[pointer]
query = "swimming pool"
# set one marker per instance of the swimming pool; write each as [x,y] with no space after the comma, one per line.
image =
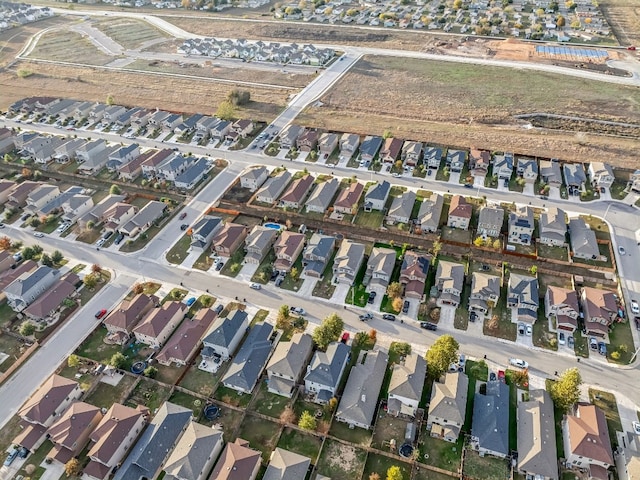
[273,226]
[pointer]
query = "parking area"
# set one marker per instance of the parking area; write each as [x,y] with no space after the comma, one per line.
[377,301]
[414,306]
[447,316]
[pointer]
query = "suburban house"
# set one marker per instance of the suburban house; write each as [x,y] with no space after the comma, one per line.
[25,289]
[156,443]
[347,262]
[430,213]
[380,267]
[449,282]
[348,199]
[70,433]
[401,208]
[112,438]
[349,143]
[188,179]
[24,267]
[634,182]
[527,169]
[286,465]
[121,321]
[391,150]
[75,206]
[521,225]
[601,174]
[325,371]
[537,456]
[583,240]
[203,232]
[585,436]
[562,303]
[144,219]
[317,254]
[413,274]
[258,243]
[195,453]
[455,160]
[7,143]
[122,155]
[117,215]
[254,178]
[220,129]
[229,239]
[42,409]
[159,323]
[490,421]
[93,156]
[289,135]
[320,199]
[553,227]
[174,167]
[460,212]
[574,176]
[96,214]
[376,196]
[479,161]
[243,127]
[18,195]
[369,148]
[327,143]
[237,462]
[288,363]
[150,165]
[485,292]
[359,400]
[184,343]
[45,307]
[40,196]
[432,157]
[287,248]
[246,367]
[296,193]
[6,186]
[411,153]
[522,295]
[551,173]
[600,310]
[273,187]
[448,406]
[405,388]
[307,140]
[627,456]
[224,336]
[503,166]
[490,221]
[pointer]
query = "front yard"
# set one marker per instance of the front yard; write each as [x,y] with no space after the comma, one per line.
[606,402]
[233,266]
[621,347]
[179,251]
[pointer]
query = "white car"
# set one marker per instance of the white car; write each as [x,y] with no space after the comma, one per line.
[529,330]
[100,242]
[636,428]
[255,286]
[38,234]
[634,307]
[518,362]
[63,227]
[299,311]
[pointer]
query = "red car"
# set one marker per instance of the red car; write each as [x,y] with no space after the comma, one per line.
[183,215]
[101,313]
[345,337]
[501,376]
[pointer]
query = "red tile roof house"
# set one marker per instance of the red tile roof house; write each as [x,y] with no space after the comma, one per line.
[186,340]
[600,310]
[155,328]
[112,438]
[563,304]
[347,201]
[288,248]
[229,239]
[307,140]
[479,161]
[43,408]
[294,196]
[121,321]
[459,213]
[391,150]
[47,304]
[70,434]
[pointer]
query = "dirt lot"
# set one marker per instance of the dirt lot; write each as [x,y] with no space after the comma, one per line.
[459,104]
[12,41]
[68,46]
[129,33]
[624,18]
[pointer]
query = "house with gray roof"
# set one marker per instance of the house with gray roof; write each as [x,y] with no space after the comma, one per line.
[253,178]
[449,282]
[156,443]
[122,155]
[521,225]
[67,151]
[407,383]
[583,240]
[430,213]
[553,227]
[369,148]
[247,365]
[490,424]
[380,267]
[46,305]
[551,173]
[490,221]
[188,179]
[273,187]
[172,168]
[360,398]
[348,261]
[317,254]
[237,462]
[322,196]
[289,135]
[456,159]
[40,196]
[411,153]
[349,143]
[25,289]
[327,143]
[145,217]
[601,174]
[288,362]
[203,231]
[448,406]
[223,338]
[537,455]
[485,292]
[527,169]
[522,295]
[574,175]
[503,166]
[325,371]
[401,208]
[286,465]
[195,453]
[432,157]
[376,196]
[258,243]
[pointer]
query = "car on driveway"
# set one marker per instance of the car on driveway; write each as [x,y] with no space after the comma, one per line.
[473,316]
[518,362]
[429,326]
[63,227]
[23,452]
[365,316]
[635,308]
[529,330]
[405,306]
[602,348]
[372,297]
[219,266]
[501,376]
[11,457]
[570,341]
[388,316]
[593,343]
[521,328]
[561,339]
[101,313]
[190,302]
[38,234]
[219,309]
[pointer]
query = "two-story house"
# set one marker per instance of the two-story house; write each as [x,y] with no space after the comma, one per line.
[327,143]
[449,282]
[601,174]
[246,367]
[553,227]
[460,212]
[411,153]
[237,462]
[203,232]
[584,243]
[17,197]
[273,187]
[503,166]
[40,196]
[122,320]
[287,248]
[223,339]
[288,363]
[600,310]
[173,167]
[296,193]
[551,173]
[522,296]
[317,254]
[401,208]
[156,327]
[25,289]
[376,196]
[490,221]
[289,135]
[70,433]
[391,150]
[521,225]
[122,155]
[349,143]
[485,292]
[379,267]
[307,140]
[348,261]
[448,407]
[537,455]
[574,177]
[144,219]
[456,160]
[253,178]
[348,199]
[258,243]
[195,453]
[527,169]
[407,383]
[430,213]
[325,371]
[432,157]
[413,274]
[479,161]
[562,303]
[369,148]
[490,421]
[183,344]
[322,195]
[229,239]
[118,215]
[47,304]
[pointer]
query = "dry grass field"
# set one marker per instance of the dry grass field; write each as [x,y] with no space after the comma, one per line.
[130,33]
[624,18]
[12,40]
[68,46]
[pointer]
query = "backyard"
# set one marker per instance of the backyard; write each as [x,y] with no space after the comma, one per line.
[187,401]
[379,464]
[199,381]
[301,443]
[341,461]
[268,403]
[105,395]
[148,393]
[484,468]
[439,453]
[261,434]
[231,397]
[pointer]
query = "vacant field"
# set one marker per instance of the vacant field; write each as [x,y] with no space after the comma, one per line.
[624,18]
[459,104]
[12,40]
[129,33]
[68,46]
[150,91]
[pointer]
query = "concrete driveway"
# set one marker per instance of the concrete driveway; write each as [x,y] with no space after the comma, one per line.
[414,306]
[478,182]
[340,293]
[454,177]
[377,302]
[247,272]
[554,193]
[529,189]
[447,316]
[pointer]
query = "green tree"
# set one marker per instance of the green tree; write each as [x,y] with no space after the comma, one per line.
[328,331]
[497,244]
[295,273]
[90,224]
[117,360]
[45,259]
[435,250]
[566,390]
[307,421]
[57,256]
[479,242]
[283,320]
[24,73]
[442,353]
[115,190]
[387,134]
[150,372]
[225,111]
[110,99]
[90,281]
[27,328]
[394,290]
[28,253]
[206,301]
[73,361]
[394,473]
[533,270]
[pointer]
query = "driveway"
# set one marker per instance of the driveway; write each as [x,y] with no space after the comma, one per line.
[478,182]
[194,254]
[414,306]
[554,193]
[454,177]
[502,187]
[524,340]
[302,156]
[340,293]
[377,302]
[247,272]
[447,316]
[307,287]
[529,189]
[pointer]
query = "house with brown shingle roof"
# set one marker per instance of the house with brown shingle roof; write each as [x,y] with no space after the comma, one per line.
[6,260]
[47,304]
[133,169]
[187,339]
[70,433]
[19,194]
[348,198]
[237,462]
[585,436]
[117,215]
[600,309]
[11,275]
[6,186]
[563,304]
[413,274]
[121,321]
[479,161]
[296,193]
[288,248]
[391,150]
[460,213]
[227,240]
[155,328]
[112,438]
[307,140]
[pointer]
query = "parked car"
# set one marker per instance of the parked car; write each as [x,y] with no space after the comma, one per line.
[462,360]
[492,376]
[345,337]
[521,328]
[570,341]
[473,316]
[518,362]
[23,452]
[63,227]
[602,348]
[184,226]
[255,286]
[219,266]
[1,225]
[17,256]
[100,242]
[366,316]
[429,326]
[11,457]
[190,302]
[485,268]
[101,313]
[372,297]
[501,376]
[636,427]
[183,215]
[38,234]
[388,316]
[634,307]
[119,239]
[299,311]
[405,306]
[593,343]
[561,339]
[529,330]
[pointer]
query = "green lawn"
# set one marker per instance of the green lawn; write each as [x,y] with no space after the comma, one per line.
[505,329]
[379,464]
[371,219]
[339,461]
[268,403]
[581,344]
[607,403]
[231,397]
[10,346]
[357,436]
[199,381]
[180,250]
[148,393]
[291,283]
[301,443]
[94,347]
[461,319]
[300,406]
[357,294]
[542,337]
[261,434]
[263,273]
[440,454]
[260,316]
[187,401]
[484,468]
[621,341]
[556,253]
[105,395]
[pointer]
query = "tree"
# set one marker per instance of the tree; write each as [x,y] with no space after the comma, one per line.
[46,260]
[73,361]
[117,360]
[435,250]
[5,243]
[394,473]
[110,99]
[307,421]
[238,97]
[24,73]
[396,304]
[295,273]
[225,111]
[533,270]
[27,328]
[90,224]
[394,290]
[34,222]
[90,281]
[497,244]
[560,21]
[137,288]
[442,353]
[333,403]
[479,242]
[28,253]
[150,372]
[566,390]
[206,301]
[115,190]
[288,415]
[57,256]
[374,476]
[373,334]
[283,320]
[73,467]
[328,331]
[387,134]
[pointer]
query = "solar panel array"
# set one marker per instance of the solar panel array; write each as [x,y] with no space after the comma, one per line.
[572,53]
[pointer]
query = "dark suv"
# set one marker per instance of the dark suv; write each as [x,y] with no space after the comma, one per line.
[429,326]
